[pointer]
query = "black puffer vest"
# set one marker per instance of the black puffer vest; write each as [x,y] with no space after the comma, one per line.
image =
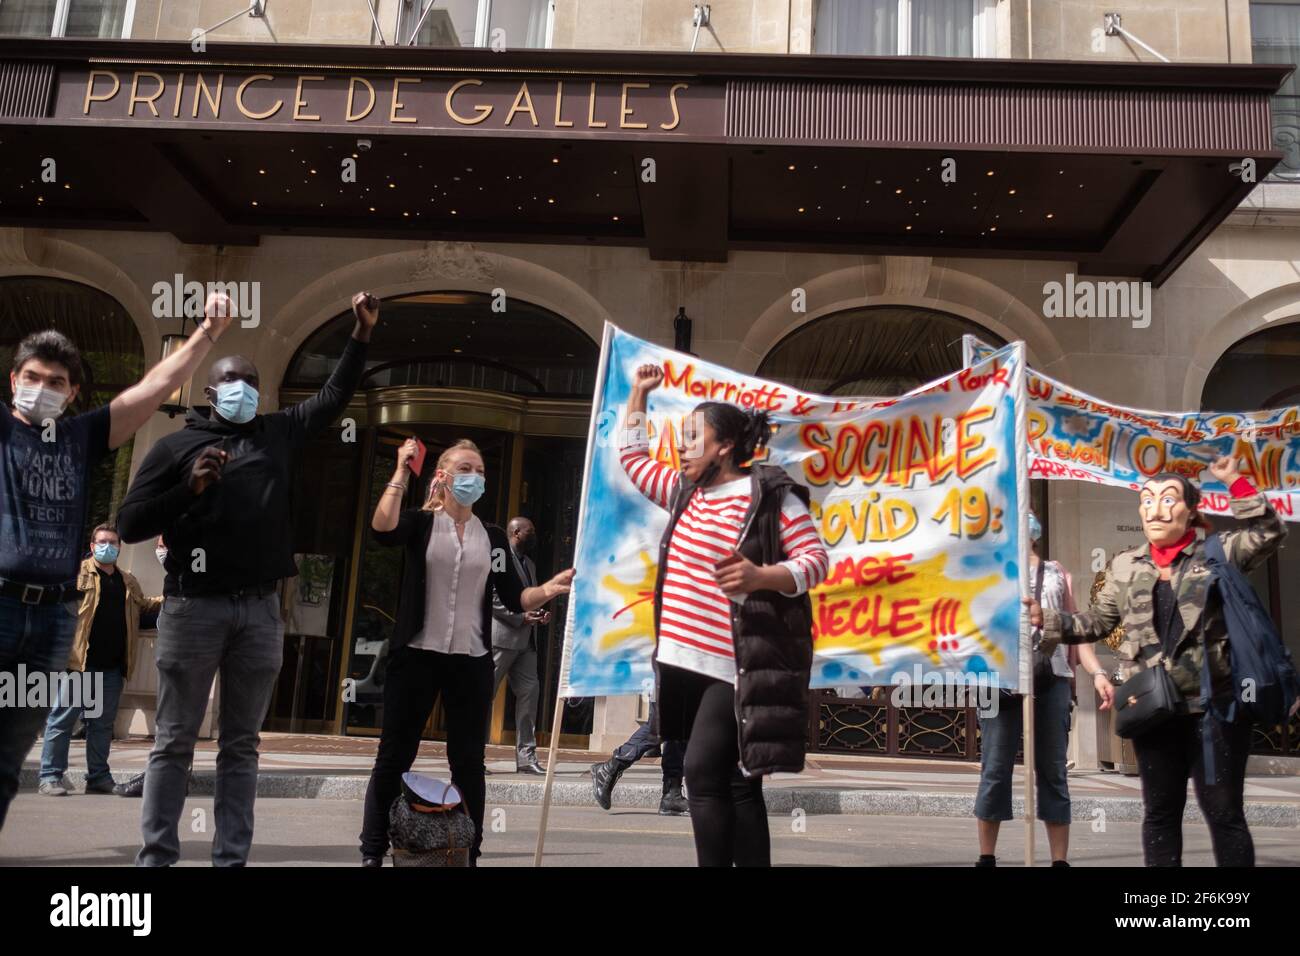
[772,636]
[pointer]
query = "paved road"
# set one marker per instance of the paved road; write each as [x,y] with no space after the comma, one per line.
[81,830]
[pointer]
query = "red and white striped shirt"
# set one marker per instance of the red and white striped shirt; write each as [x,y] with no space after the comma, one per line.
[695,620]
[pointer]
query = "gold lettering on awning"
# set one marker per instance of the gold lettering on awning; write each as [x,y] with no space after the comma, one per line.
[559,100]
[672,100]
[352,89]
[522,97]
[625,111]
[214,102]
[146,100]
[239,98]
[397,102]
[484,109]
[592,122]
[90,89]
[299,102]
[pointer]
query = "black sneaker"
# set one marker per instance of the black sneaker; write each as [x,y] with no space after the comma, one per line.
[132,788]
[987,859]
[673,802]
[603,777]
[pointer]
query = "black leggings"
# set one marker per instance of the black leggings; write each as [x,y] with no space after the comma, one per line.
[728,815]
[1166,757]
[416,678]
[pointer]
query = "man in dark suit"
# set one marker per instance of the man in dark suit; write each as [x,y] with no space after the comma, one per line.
[514,648]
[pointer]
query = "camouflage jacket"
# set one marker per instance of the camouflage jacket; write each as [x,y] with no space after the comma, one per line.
[1126,598]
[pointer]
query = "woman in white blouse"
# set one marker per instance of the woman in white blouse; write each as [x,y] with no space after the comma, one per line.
[441,643]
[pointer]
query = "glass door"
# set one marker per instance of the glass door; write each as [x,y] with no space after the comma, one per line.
[551,479]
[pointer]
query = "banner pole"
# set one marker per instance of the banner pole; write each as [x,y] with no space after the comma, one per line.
[566,658]
[552,756]
[1029,778]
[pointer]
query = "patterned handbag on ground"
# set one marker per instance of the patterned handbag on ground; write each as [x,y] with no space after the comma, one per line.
[428,824]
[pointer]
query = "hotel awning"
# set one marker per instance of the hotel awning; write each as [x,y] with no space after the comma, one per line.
[1122,167]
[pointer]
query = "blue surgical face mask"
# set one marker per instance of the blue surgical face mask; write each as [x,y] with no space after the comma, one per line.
[236,401]
[1035,529]
[467,489]
[105,553]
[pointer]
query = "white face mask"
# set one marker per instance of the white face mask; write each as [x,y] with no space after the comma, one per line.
[39,403]
[161,554]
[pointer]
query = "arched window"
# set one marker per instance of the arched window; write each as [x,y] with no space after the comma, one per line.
[112,358]
[871,351]
[458,340]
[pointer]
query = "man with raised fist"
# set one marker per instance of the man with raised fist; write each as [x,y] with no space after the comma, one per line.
[219,491]
[45,464]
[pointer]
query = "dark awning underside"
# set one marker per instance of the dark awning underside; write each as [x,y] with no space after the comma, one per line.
[1122,167]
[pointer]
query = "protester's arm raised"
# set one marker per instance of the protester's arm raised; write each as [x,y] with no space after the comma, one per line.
[1251,545]
[313,415]
[388,510]
[652,478]
[130,410]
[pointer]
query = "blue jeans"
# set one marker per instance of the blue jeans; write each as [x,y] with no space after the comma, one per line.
[99,729]
[643,741]
[1000,741]
[242,638]
[35,638]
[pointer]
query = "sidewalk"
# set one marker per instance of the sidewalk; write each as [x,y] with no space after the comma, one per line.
[327,767]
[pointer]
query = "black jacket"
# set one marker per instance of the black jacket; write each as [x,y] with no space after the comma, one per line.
[244,522]
[414,526]
[772,634]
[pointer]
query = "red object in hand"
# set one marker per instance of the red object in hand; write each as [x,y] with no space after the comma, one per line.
[417,460]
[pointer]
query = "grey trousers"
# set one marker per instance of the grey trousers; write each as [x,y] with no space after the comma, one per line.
[242,638]
[521,667]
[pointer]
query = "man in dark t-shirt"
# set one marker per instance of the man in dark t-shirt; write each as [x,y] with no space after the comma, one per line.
[45,463]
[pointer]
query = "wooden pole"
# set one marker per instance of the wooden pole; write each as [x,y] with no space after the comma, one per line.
[1029,777]
[550,778]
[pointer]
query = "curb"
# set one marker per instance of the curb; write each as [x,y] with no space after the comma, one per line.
[813,801]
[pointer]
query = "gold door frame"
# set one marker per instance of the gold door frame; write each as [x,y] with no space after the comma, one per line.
[394,407]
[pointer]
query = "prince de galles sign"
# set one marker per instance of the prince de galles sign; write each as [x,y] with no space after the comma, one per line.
[395,101]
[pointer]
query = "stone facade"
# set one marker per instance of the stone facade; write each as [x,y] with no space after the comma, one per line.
[1242,279]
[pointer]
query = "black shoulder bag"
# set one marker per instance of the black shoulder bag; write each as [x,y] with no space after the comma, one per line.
[1149,698]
